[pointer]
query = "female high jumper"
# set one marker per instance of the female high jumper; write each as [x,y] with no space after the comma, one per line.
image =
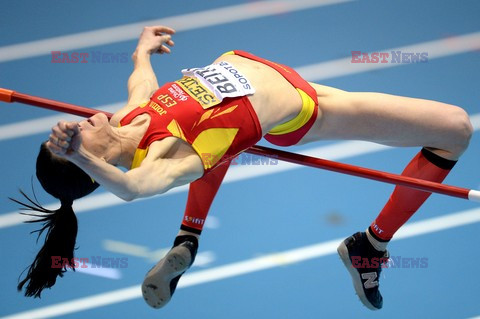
[187,132]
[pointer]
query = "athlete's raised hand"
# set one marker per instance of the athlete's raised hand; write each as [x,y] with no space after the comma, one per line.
[156,39]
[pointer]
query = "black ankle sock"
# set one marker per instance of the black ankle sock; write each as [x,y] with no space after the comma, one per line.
[438,160]
[191,244]
[184,238]
[191,230]
[377,243]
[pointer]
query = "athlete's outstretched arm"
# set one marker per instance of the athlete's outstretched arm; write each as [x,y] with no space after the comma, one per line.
[155,175]
[143,82]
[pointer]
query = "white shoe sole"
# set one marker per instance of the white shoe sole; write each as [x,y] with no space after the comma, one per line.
[156,285]
[357,281]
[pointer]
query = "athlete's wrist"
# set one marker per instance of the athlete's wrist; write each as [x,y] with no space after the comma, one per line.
[80,157]
[141,52]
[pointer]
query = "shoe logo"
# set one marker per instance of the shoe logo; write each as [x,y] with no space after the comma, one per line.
[370,277]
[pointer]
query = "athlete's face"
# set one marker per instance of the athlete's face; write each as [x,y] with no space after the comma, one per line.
[96,134]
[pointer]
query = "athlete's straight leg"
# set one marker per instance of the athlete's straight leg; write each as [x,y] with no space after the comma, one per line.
[390,120]
[442,130]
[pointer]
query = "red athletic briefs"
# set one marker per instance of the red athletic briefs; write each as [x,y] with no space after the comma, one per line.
[291,132]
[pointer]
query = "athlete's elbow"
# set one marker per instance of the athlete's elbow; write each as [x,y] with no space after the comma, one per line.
[134,193]
[130,193]
[128,197]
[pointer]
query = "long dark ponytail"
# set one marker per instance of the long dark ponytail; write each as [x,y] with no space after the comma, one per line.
[66,182]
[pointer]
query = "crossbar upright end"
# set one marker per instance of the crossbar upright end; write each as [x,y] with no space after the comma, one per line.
[6,95]
[474,195]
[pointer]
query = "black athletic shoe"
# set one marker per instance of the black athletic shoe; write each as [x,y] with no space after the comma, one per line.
[161,281]
[364,264]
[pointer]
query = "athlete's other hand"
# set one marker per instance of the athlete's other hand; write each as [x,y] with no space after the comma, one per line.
[155,39]
[65,139]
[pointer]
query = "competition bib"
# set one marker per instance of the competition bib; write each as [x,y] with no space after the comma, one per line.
[222,79]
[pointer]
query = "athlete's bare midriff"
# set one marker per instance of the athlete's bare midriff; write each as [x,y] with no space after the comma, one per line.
[275,100]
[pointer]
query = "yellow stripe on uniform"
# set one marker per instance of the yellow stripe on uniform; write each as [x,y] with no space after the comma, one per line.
[213,143]
[308,107]
[139,156]
[176,130]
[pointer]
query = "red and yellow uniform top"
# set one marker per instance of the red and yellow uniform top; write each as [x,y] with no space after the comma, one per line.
[207,109]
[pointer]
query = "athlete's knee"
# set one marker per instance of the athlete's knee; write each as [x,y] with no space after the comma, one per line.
[460,129]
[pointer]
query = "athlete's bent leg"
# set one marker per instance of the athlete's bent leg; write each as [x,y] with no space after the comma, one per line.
[161,281]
